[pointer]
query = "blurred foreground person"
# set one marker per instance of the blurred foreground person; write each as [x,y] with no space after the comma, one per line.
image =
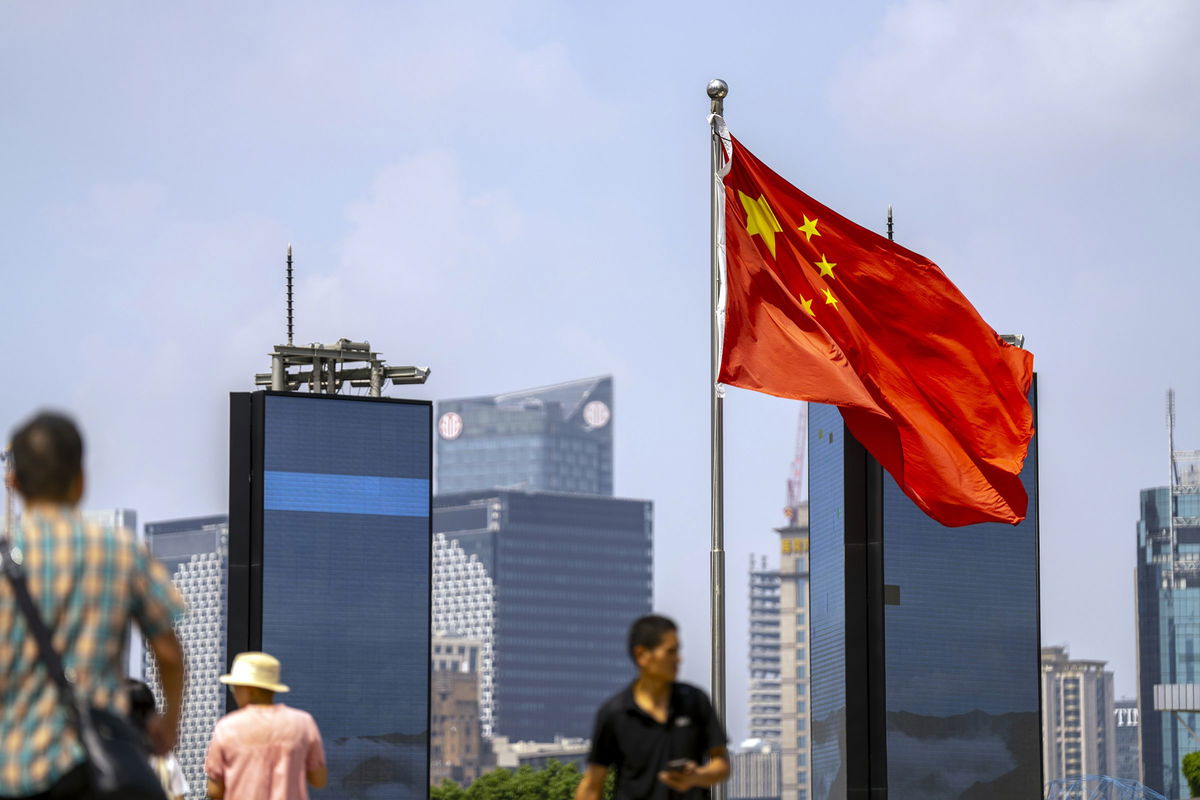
[166,768]
[264,750]
[88,583]
[663,738]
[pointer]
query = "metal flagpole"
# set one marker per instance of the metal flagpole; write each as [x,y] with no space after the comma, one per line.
[717,90]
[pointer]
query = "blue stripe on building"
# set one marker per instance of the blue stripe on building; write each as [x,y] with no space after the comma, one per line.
[345,494]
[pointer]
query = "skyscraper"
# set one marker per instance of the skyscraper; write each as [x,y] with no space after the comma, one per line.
[795,771]
[1168,617]
[195,552]
[464,605]
[1078,719]
[555,438]
[570,573]
[924,638]
[1129,740]
[765,701]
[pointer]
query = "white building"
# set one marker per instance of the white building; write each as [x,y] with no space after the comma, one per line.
[1079,734]
[464,604]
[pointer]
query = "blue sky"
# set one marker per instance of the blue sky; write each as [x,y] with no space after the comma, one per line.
[515,194]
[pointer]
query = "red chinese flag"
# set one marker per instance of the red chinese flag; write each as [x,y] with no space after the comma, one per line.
[821,309]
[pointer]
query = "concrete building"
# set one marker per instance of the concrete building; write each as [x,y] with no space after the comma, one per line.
[538,755]
[457,750]
[463,608]
[755,771]
[196,553]
[570,573]
[1129,740]
[554,438]
[766,704]
[1078,717]
[795,771]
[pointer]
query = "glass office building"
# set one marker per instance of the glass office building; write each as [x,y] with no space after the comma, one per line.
[570,573]
[555,439]
[1168,619]
[330,572]
[925,639]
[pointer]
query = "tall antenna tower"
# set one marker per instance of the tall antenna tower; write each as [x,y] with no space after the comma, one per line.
[795,483]
[326,368]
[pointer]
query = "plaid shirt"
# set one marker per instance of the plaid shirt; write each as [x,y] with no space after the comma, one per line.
[89,583]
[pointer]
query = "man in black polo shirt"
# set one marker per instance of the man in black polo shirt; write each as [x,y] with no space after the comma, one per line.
[663,738]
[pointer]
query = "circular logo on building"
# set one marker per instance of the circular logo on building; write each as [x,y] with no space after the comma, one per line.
[596,414]
[450,426]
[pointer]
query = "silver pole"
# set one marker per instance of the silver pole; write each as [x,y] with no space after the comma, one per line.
[717,91]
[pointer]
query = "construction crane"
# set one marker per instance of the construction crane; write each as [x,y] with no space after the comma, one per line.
[795,484]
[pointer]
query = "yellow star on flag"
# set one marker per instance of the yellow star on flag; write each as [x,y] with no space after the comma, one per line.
[809,228]
[825,267]
[807,306]
[760,220]
[830,300]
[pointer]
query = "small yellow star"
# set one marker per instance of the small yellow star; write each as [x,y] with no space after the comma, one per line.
[809,228]
[830,300]
[825,267]
[807,306]
[760,220]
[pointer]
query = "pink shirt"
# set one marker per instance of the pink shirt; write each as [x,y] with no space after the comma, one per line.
[262,752]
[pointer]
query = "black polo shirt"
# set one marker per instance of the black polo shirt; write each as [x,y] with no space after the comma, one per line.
[629,740]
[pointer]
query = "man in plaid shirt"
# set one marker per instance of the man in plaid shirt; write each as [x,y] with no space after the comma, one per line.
[89,582]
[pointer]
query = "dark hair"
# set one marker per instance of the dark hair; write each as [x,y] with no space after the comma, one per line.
[141,702]
[648,632]
[47,454]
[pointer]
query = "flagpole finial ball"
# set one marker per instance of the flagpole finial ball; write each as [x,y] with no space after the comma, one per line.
[718,89]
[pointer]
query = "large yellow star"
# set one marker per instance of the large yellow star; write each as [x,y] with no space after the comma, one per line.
[760,220]
[807,306]
[830,300]
[809,228]
[825,267]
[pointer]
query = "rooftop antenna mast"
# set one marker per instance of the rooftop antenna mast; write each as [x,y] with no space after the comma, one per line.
[289,293]
[322,367]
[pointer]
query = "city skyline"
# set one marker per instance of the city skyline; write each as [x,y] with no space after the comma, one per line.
[1041,154]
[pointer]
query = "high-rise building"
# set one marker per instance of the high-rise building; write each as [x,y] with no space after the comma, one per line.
[754,771]
[795,772]
[570,573]
[124,518]
[555,439]
[1078,719]
[924,639]
[1168,617]
[195,552]
[765,701]
[1129,740]
[464,607]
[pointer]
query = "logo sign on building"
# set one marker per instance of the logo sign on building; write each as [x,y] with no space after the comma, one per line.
[596,414]
[450,426]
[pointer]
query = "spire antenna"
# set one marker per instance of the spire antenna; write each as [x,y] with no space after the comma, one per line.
[289,293]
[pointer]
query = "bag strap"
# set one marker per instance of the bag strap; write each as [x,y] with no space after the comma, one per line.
[79,717]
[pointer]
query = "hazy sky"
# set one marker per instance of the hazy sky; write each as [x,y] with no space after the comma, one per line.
[516,193]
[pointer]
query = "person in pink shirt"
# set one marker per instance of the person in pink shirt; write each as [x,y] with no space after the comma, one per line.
[264,750]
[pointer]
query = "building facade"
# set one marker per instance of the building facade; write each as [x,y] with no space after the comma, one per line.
[795,771]
[570,573]
[464,607]
[1129,739]
[1079,722]
[555,439]
[195,552]
[924,639]
[456,743]
[754,771]
[766,703]
[1168,617]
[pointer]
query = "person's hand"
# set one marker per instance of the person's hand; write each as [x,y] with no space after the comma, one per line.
[162,732]
[680,780]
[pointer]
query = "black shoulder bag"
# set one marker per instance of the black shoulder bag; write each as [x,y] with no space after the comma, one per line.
[118,764]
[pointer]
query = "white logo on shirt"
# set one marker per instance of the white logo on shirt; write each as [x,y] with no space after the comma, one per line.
[681,722]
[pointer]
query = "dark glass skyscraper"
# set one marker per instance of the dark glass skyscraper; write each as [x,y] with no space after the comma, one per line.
[1168,617]
[571,572]
[925,639]
[555,439]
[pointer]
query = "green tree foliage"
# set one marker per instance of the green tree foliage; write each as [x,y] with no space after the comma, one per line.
[555,782]
[1191,771]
